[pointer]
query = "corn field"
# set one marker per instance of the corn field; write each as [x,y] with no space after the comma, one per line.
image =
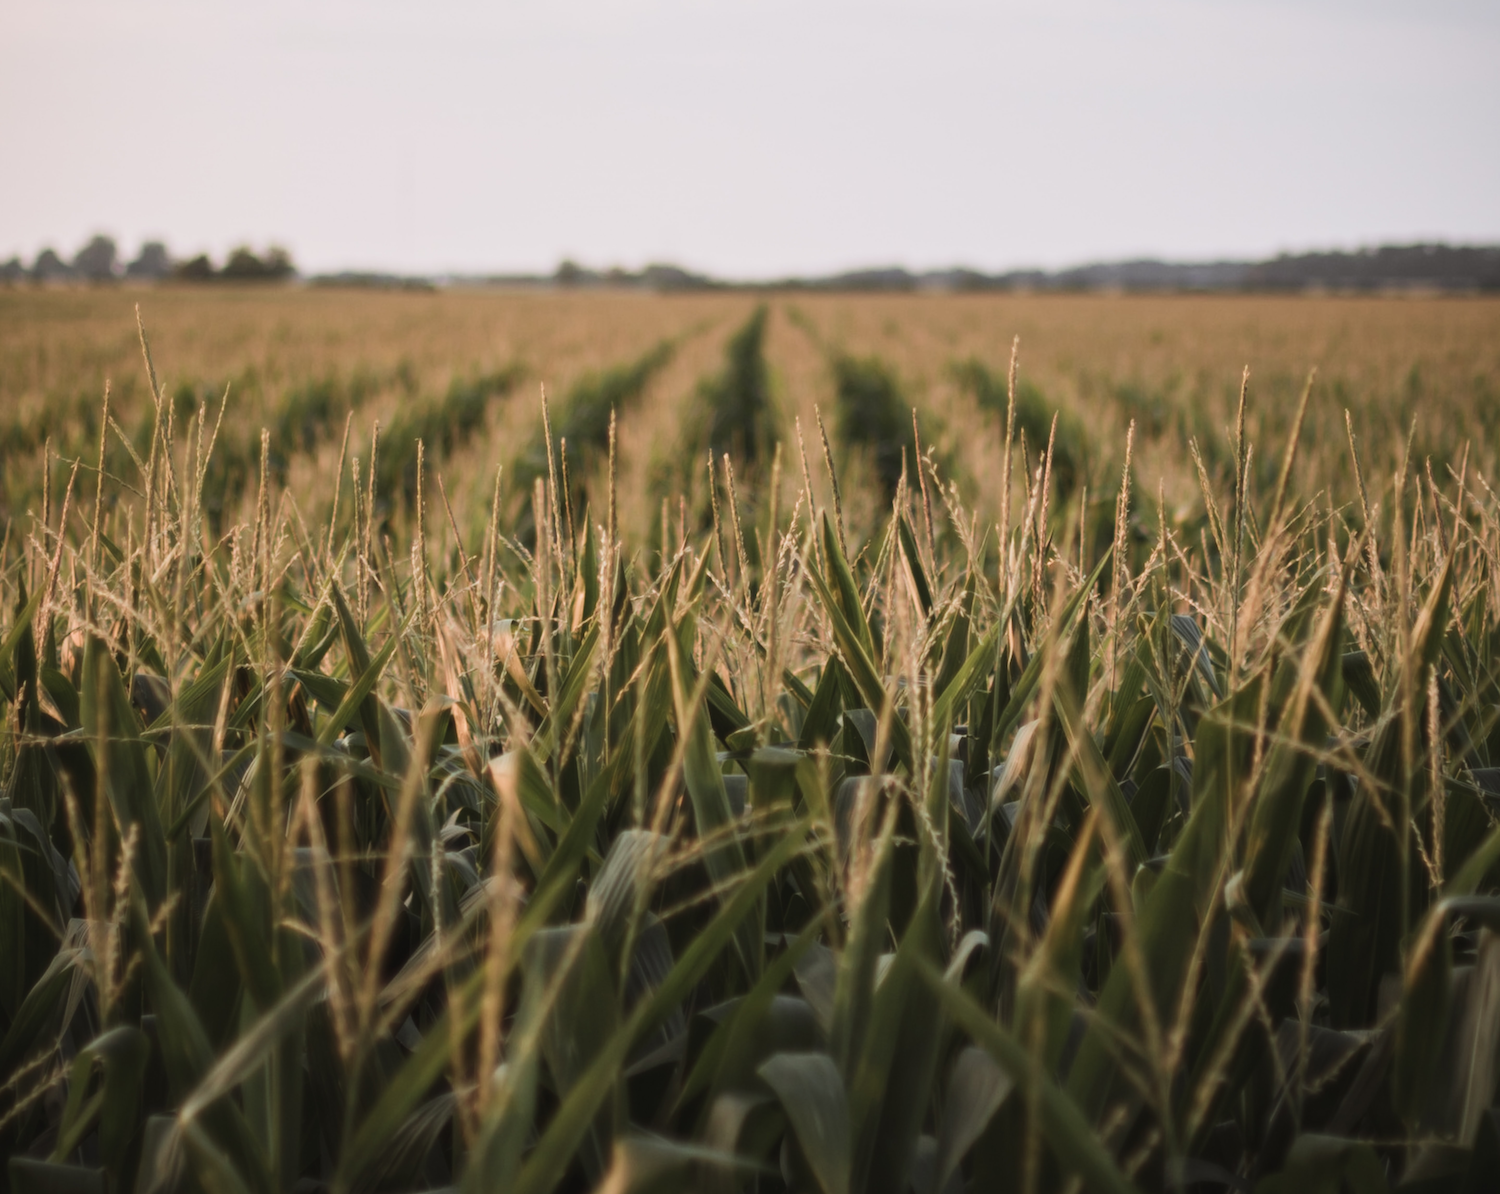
[1000,847]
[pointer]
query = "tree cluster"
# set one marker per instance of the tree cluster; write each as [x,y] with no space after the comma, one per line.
[99,261]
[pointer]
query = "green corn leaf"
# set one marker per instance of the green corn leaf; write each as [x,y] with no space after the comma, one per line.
[364,674]
[417,1074]
[618,893]
[28,1175]
[1175,913]
[1360,679]
[519,766]
[1365,945]
[812,1093]
[854,993]
[64,696]
[643,1164]
[37,1021]
[588,570]
[844,590]
[894,1077]
[328,691]
[35,891]
[321,633]
[861,666]
[214,1168]
[1277,809]
[1062,625]
[20,628]
[120,755]
[1425,996]
[1095,779]
[245,906]
[1063,1124]
[115,1107]
[582,1015]
[219,1136]
[360,699]
[725,716]
[1432,622]
[711,810]
[1319,1164]
[912,558]
[1125,747]
[977,1088]
[559,1142]
[214,990]
[185,773]
[1053,967]
[559,720]
[727,1057]
[1478,864]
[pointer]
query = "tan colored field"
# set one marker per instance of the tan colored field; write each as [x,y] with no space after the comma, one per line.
[1026,843]
[1173,363]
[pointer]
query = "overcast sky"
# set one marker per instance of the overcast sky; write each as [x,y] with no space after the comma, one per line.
[748,138]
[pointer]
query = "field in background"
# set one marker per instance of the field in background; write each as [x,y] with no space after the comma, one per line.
[856,822]
[302,358]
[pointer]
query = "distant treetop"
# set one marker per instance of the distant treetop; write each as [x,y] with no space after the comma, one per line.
[97,261]
[151,263]
[244,265]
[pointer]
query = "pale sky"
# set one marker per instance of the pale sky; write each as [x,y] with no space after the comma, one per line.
[748,138]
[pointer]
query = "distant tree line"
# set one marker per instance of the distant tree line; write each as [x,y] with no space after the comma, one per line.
[654,277]
[1449,268]
[1437,267]
[100,261]
[1453,268]
[1457,268]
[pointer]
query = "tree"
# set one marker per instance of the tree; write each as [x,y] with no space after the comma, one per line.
[152,262]
[98,260]
[244,266]
[49,267]
[279,263]
[196,269]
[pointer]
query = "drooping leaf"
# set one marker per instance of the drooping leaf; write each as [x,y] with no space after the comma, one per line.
[811,1091]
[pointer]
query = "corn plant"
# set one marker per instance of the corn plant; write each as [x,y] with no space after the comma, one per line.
[1042,425]
[736,401]
[582,433]
[996,859]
